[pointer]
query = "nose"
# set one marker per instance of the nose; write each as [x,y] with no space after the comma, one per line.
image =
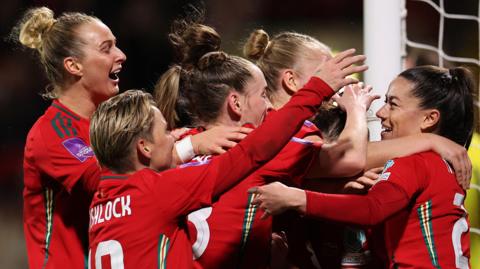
[121,57]
[381,113]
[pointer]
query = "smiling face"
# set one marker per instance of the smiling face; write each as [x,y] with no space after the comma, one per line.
[101,61]
[254,99]
[401,115]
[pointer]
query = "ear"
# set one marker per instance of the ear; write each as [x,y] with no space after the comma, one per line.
[430,120]
[73,66]
[234,103]
[144,149]
[288,81]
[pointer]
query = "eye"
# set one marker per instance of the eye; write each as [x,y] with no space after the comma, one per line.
[106,49]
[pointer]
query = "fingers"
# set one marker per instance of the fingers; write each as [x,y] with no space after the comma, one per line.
[342,55]
[469,172]
[352,69]
[244,130]
[265,214]
[366,182]
[235,136]
[348,61]
[376,170]
[354,185]
[255,190]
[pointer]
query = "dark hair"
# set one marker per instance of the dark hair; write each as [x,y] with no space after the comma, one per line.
[210,83]
[330,121]
[201,80]
[451,92]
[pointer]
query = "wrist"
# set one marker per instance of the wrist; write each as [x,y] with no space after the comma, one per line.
[299,200]
[185,150]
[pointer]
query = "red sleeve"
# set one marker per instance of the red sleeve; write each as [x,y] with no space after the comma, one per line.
[382,201]
[400,180]
[260,146]
[51,156]
[292,163]
[409,173]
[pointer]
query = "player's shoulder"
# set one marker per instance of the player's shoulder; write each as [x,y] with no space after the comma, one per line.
[307,129]
[420,157]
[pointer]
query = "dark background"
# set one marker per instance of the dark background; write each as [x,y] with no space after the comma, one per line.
[141,27]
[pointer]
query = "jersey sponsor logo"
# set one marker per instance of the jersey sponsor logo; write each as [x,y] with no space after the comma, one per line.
[118,208]
[78,148]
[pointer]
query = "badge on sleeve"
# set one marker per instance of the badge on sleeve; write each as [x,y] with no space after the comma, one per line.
[388,164]
[78,148]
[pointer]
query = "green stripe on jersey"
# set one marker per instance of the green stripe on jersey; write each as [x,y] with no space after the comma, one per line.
[247,224]
[63,125]
[65,111]
[424,212]
[55,121]
[163,245]
[49,205]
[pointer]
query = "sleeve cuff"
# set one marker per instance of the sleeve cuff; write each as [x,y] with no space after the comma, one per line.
[184,149]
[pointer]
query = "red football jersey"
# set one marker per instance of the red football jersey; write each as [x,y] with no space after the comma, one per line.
[60,176]
[152,233]
[421,202]
[230,233]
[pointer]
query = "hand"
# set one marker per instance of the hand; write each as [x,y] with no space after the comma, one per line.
[457,156]
[279,251]
[355,96]
[177,133]
[218,139]
[363,183]
[276,198]
[336,71]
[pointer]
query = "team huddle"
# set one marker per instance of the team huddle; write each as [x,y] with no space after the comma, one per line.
[260,161]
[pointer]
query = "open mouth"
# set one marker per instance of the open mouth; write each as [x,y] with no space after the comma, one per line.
[386,129]
[114,75]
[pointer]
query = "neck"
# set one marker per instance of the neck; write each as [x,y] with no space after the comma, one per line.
[221,123]
[78,100]
[280,98]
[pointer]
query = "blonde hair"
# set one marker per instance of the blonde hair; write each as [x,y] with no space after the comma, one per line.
[53,39]
[166,94]
[117,124]
[281,52]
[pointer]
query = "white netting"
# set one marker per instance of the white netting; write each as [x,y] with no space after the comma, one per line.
[439,48]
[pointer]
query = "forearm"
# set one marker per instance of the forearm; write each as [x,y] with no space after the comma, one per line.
[260,146]
[381,202]
[349,160]
[380,152]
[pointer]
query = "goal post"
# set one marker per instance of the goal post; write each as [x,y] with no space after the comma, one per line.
[384,50]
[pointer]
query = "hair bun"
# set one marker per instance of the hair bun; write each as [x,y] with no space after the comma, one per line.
[256,44]
[35,24]
[192,40]
[214,58]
